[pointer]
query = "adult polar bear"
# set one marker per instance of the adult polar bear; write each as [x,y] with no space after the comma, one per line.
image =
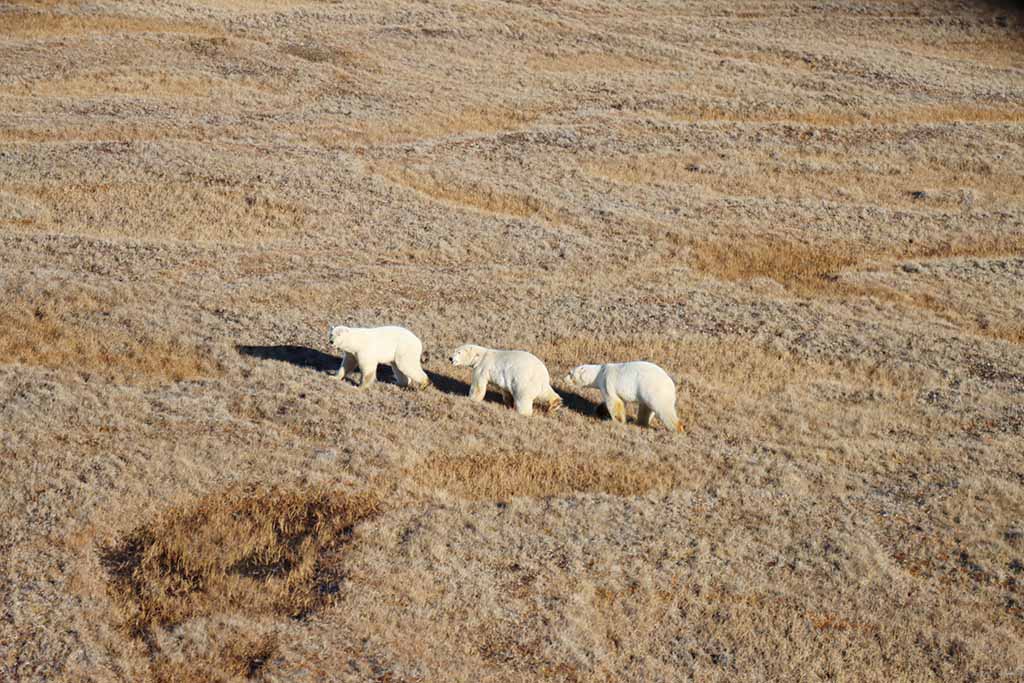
[639,381]
[368,347]
[519,375]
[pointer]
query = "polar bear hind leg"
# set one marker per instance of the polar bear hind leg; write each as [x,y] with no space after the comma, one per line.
[551,400]
[400,376]
[409,372]
[669,418]
[524,405]
[643,415]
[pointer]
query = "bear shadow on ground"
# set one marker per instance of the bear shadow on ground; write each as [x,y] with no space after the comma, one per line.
[301,356]
[305,357]
[584,406]
[454,387]
[571,400]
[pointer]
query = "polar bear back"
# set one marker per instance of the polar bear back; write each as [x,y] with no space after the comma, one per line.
[383,343]
[512,369]
[640,381]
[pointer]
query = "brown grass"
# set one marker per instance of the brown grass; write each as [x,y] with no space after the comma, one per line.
[498,477]
[252,549]
[47,336]
[922,115]
[432,126]
[593,63]
[809,267]
[158,211]
[234,657]
[832,178]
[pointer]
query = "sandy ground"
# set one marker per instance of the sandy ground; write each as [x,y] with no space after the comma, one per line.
[809,212]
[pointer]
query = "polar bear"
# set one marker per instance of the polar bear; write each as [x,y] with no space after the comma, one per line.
[639,381]
[367,347]
[519,375]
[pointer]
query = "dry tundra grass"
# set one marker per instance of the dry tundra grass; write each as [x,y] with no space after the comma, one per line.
[810,214]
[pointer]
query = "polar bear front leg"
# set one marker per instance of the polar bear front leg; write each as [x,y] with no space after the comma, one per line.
[369,369]
[478,389]
[616,408]
[348,365]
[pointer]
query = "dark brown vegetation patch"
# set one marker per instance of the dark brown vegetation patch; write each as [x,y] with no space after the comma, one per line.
[488,476]
[256,550]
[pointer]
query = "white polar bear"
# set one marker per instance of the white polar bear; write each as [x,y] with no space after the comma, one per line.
[639,381]
[520,376]
[368,347]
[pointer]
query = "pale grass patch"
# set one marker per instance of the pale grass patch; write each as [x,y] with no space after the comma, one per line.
[501,477]
[592,62]
[465,193]
[160,211]
[435,125]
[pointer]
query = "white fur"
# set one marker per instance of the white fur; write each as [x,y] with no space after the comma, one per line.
[639,381]
[520,376]
[368,347]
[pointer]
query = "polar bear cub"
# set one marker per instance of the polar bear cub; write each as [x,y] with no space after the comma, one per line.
[519,375]
[639,381]
[368,347]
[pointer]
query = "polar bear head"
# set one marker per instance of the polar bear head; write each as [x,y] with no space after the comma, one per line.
[582,376]
[340,337]
[467,355]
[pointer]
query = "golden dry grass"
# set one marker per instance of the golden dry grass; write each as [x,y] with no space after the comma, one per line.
[45,336]
[927,115]
[467,193]
[23,25]
[497,477]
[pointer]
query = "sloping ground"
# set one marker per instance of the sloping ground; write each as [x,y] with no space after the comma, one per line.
[810,213]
